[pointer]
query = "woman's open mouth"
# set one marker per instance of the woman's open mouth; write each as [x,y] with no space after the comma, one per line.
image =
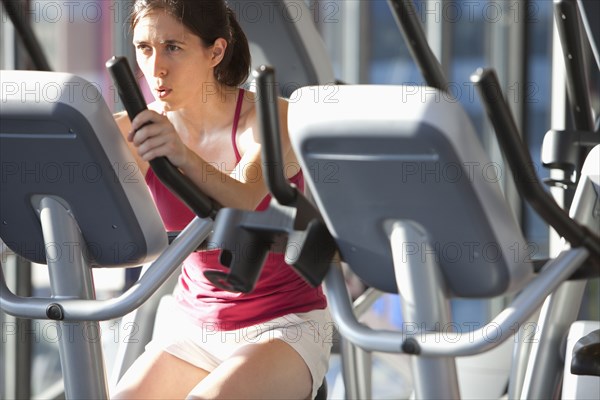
[163,92]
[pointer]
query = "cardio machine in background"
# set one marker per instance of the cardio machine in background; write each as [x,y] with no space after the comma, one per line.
[539,372]
[430,239]
[435,239]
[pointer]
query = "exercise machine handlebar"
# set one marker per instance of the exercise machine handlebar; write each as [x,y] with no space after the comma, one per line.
[169,175]
[271,141]
[405,15]
[272,159]
[30,42]
[475,342]
[566,16]
[72,309]
[521,165]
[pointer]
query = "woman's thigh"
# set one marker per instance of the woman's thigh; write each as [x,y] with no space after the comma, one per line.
[267,370]
[158,375]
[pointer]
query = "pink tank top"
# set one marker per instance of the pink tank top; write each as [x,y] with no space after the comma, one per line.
[279,290]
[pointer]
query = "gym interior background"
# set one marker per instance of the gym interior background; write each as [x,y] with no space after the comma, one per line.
[516,37]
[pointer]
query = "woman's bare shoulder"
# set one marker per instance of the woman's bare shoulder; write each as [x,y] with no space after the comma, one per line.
[250,109]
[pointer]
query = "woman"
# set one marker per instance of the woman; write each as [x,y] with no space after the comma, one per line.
[275,341]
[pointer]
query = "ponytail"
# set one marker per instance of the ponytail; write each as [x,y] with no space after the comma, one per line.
[234,69]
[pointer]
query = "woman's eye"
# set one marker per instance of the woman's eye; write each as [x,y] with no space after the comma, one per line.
[173,48]
[142,48]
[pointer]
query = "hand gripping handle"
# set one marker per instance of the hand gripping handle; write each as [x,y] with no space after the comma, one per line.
[169,175]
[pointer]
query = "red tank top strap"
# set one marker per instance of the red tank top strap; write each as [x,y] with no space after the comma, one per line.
[236,117]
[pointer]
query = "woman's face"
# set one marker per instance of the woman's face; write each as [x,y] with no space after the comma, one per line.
[175,62]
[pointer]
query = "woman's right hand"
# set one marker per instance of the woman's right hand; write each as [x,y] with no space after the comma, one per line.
[153,135]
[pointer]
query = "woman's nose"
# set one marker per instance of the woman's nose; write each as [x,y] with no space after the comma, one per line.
[158,65]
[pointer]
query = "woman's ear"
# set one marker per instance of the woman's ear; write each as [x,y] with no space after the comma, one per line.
[217,51]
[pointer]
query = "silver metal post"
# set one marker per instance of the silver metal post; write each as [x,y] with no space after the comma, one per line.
[80,346]
[545,364]
[424,307]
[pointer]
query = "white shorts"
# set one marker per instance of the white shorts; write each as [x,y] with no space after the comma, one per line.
[310,334]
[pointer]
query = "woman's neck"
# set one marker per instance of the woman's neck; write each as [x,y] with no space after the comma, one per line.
[211,112]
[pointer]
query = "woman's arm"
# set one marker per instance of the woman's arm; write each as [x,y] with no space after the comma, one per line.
[244,188]
[153,135]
